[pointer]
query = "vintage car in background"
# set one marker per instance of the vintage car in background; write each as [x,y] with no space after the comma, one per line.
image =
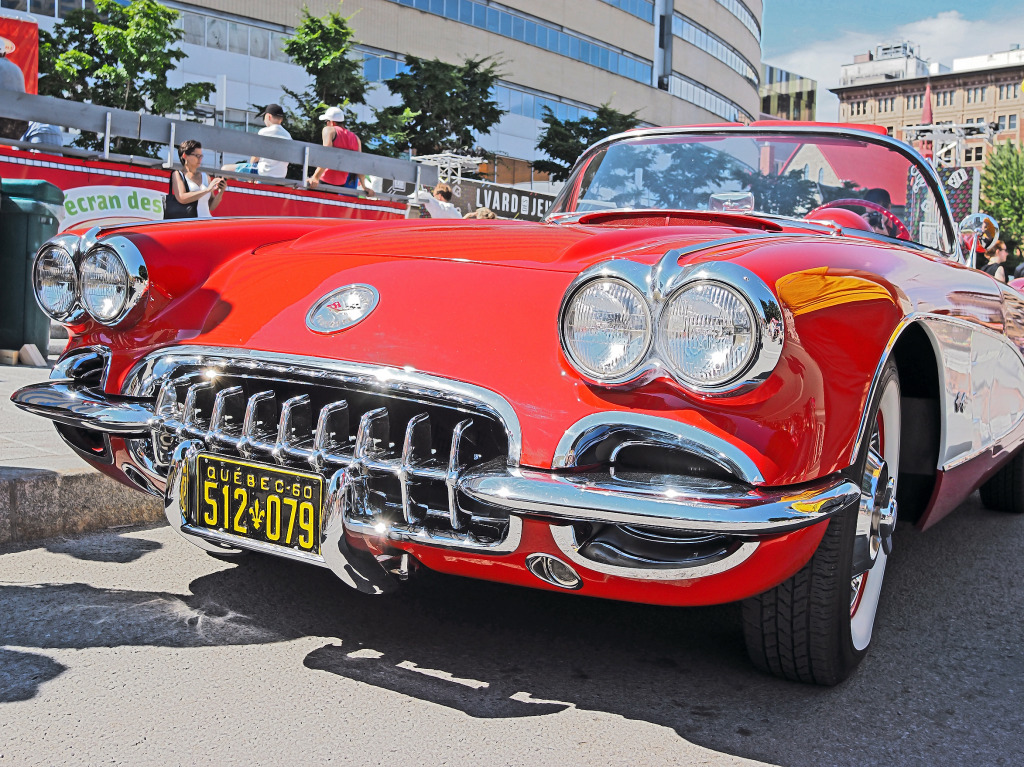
[711,375]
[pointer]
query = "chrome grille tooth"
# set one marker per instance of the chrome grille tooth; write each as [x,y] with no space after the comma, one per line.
[228,413]
[415,448]
[259,424]
[295,428]
[371,441]
[167,403]
[372,434]
[332,427]
[198,399]
[454,467]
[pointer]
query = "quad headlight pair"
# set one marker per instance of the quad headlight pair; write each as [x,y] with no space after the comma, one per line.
[107,281]
[714,327]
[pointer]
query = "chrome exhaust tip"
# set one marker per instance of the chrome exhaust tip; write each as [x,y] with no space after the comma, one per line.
[554,571]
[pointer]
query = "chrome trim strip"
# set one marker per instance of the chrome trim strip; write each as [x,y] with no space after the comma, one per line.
[658,284]
[145,377]
[656,430]
[238,542]
[688,504]
[565,539]
[66,366]
[447,540]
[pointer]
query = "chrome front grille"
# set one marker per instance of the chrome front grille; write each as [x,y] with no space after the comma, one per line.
[404,450]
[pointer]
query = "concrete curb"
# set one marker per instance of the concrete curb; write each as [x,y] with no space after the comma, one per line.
[41,503]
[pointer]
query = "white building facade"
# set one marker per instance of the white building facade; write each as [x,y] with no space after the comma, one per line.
[675,62]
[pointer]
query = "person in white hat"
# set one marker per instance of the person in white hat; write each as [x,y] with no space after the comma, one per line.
[337,135]
[272,116]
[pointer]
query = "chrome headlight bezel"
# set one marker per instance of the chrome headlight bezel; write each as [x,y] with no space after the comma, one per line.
[66,248]
[135,280]
[579,286]
[664,282]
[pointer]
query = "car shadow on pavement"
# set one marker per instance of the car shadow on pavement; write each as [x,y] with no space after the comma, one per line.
[944,675]
[122,550]
[21,673]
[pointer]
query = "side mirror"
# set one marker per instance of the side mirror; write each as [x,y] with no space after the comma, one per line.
[977,229]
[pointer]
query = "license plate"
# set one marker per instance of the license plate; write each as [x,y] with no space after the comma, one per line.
[269,504]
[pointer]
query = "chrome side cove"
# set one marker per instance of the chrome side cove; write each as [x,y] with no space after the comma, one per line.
[981,400]
[565,538]
[664,501]
[614,427]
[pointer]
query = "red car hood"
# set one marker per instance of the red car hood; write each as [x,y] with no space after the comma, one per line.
[567,248]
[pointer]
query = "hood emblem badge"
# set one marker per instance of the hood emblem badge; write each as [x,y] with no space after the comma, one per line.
[342,308]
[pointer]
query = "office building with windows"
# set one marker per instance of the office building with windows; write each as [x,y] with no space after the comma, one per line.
[786,96]
[675,62]
[977,89]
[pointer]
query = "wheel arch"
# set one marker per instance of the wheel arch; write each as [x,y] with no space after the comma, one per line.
[915,357]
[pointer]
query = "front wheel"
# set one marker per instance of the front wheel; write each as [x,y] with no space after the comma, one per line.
[816,626]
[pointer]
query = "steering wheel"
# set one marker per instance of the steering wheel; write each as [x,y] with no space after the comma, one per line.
[892,221]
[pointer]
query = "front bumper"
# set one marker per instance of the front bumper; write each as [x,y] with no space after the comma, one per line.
[187,401]
[672,502]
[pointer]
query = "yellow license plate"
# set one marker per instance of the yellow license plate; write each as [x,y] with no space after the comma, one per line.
[270,504]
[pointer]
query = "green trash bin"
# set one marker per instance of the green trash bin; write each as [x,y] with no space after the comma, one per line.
[28,218]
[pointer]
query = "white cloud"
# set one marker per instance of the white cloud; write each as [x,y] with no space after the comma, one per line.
[942,37]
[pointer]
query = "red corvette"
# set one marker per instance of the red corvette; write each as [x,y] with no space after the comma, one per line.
[711,375]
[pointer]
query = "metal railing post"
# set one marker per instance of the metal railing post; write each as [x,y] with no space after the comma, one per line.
[106,139]
[170,148]
[305,168]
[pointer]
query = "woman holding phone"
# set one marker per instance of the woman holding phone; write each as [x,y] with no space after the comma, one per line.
[193,187]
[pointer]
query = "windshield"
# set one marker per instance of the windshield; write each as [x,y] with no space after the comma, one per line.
[788,175]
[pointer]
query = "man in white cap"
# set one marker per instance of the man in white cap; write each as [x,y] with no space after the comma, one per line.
[273,116]
[337,135]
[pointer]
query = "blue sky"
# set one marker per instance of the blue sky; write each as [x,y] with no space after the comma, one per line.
[814,38]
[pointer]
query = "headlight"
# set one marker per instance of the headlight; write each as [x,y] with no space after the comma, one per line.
[104,285]
[55,282]
[606,329]
[114,280]
[708,334]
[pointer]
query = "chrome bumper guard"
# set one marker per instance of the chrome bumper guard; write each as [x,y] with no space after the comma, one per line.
[673,502]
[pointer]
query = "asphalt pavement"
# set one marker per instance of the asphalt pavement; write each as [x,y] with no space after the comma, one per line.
[134,647]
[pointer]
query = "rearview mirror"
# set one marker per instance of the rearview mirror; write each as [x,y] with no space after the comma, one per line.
[977,229]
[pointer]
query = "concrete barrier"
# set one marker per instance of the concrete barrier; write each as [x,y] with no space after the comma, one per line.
[43,503]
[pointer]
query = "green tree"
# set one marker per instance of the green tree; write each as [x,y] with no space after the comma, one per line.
[565,140]
[117,56]
[1002,190]
[322,45]
[788,194]
[447,103]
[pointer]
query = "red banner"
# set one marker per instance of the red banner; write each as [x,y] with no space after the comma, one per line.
[19,40]
[106,193]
